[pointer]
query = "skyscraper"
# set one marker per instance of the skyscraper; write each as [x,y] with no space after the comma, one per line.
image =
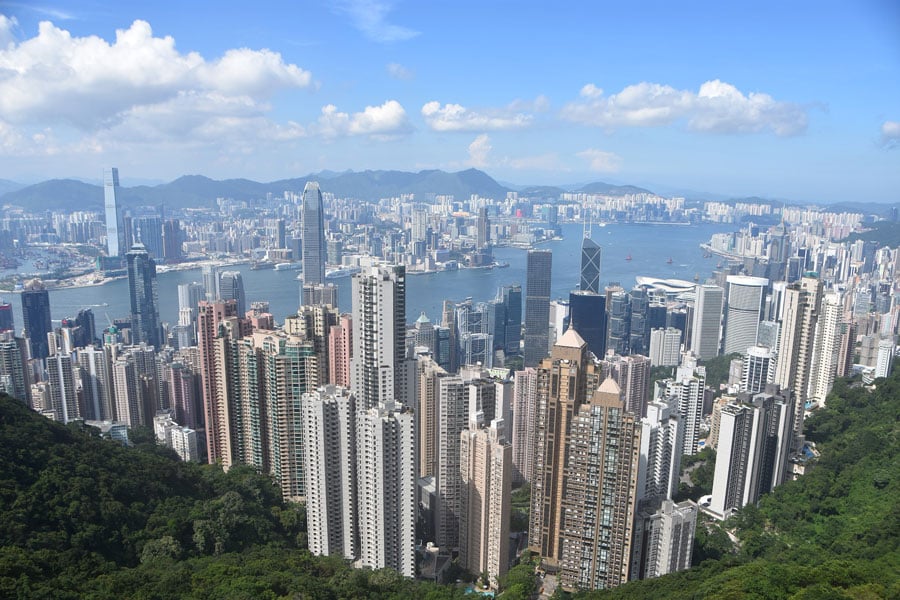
[486,467]
[13,379]
[524,411]
[758,369]
[379,368]
[599,499]
[590,266]
[707,321]
[827,351]
[231,287]
[795,348]
[36,317]
[115,230]
[752,450]
[537,306]
[587,313]
[512,299]
[6,317]
[144,298]
[743,311]
[565,381]
[313,244]
[329,455]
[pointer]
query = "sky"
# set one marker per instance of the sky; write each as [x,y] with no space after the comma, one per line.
[793,100]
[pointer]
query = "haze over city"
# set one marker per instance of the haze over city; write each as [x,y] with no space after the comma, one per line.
[794,101]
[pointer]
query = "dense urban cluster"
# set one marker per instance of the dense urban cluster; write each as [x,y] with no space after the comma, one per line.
[406,440]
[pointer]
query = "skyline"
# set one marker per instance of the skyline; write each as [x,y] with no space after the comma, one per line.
[798,104]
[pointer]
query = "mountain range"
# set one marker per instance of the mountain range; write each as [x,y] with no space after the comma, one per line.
[198,191]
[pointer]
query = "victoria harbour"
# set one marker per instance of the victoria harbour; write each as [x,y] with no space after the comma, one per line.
[650,248]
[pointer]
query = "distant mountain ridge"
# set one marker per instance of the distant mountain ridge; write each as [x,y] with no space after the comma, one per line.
[197,190]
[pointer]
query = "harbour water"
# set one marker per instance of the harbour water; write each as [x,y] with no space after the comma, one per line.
[665,251]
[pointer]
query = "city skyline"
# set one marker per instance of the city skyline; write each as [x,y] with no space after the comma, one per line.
[698,105]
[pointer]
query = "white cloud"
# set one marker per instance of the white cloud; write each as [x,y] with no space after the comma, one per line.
[479,151]
[890,134]
[90,84]
[380,122]
[370,17]
[398,71]
[7,31]
[717,107]
[455,117]
[601,161]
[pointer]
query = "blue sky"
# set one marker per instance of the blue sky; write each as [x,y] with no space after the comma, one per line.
[795,100]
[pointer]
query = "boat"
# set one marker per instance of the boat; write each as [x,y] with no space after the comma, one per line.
[289,266]
[696,276]
[260,265]
[341,272]
[628,257]
[669,262]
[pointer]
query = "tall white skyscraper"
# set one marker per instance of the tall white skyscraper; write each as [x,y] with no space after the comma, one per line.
[665,347]
[386,480]
[827,351]
[379,369]
[758,369]
[313,246]
[751,457]
[524,411]
[115,230]
[707,321]
[743,311]
[329,462]
[687,389]
[486,468]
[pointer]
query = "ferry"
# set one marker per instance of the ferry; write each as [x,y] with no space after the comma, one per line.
[341,272]
[289,266]
[628,257]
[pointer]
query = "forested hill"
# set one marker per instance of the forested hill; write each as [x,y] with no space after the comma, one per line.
[83,517]
[833,533]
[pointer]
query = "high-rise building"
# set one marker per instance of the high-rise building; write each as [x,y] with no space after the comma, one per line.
[231,287]
[183,397]
[96,384]
[669,539]
[618,320]
[379,368]
[687,389]
[743,311]
[486,484]
[600,494]
[662,444]
[565,381]
[524,411]
[313,244]
[429,391]
[512,300]
[885,362]
[6,317]
[665,347]
[149,231]
[793,369]
[386,483]
[827,350]
[211,282]
[172,241]
[590,266]
[587,313]
[319,293]
[144,297]
[36,317]
[753,446]
[537,306]
[707,321]
[340,351]
[13,377]
[758,369]
[329,456]
[632,374]
[115,229]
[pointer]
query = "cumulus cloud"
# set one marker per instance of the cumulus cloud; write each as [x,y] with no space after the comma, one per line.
[398,71]
[890,134]
[380,122]
[717,107]
[87,82]
[479,151]
[455,117]
[601,161]
[7,31]
[370,17]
